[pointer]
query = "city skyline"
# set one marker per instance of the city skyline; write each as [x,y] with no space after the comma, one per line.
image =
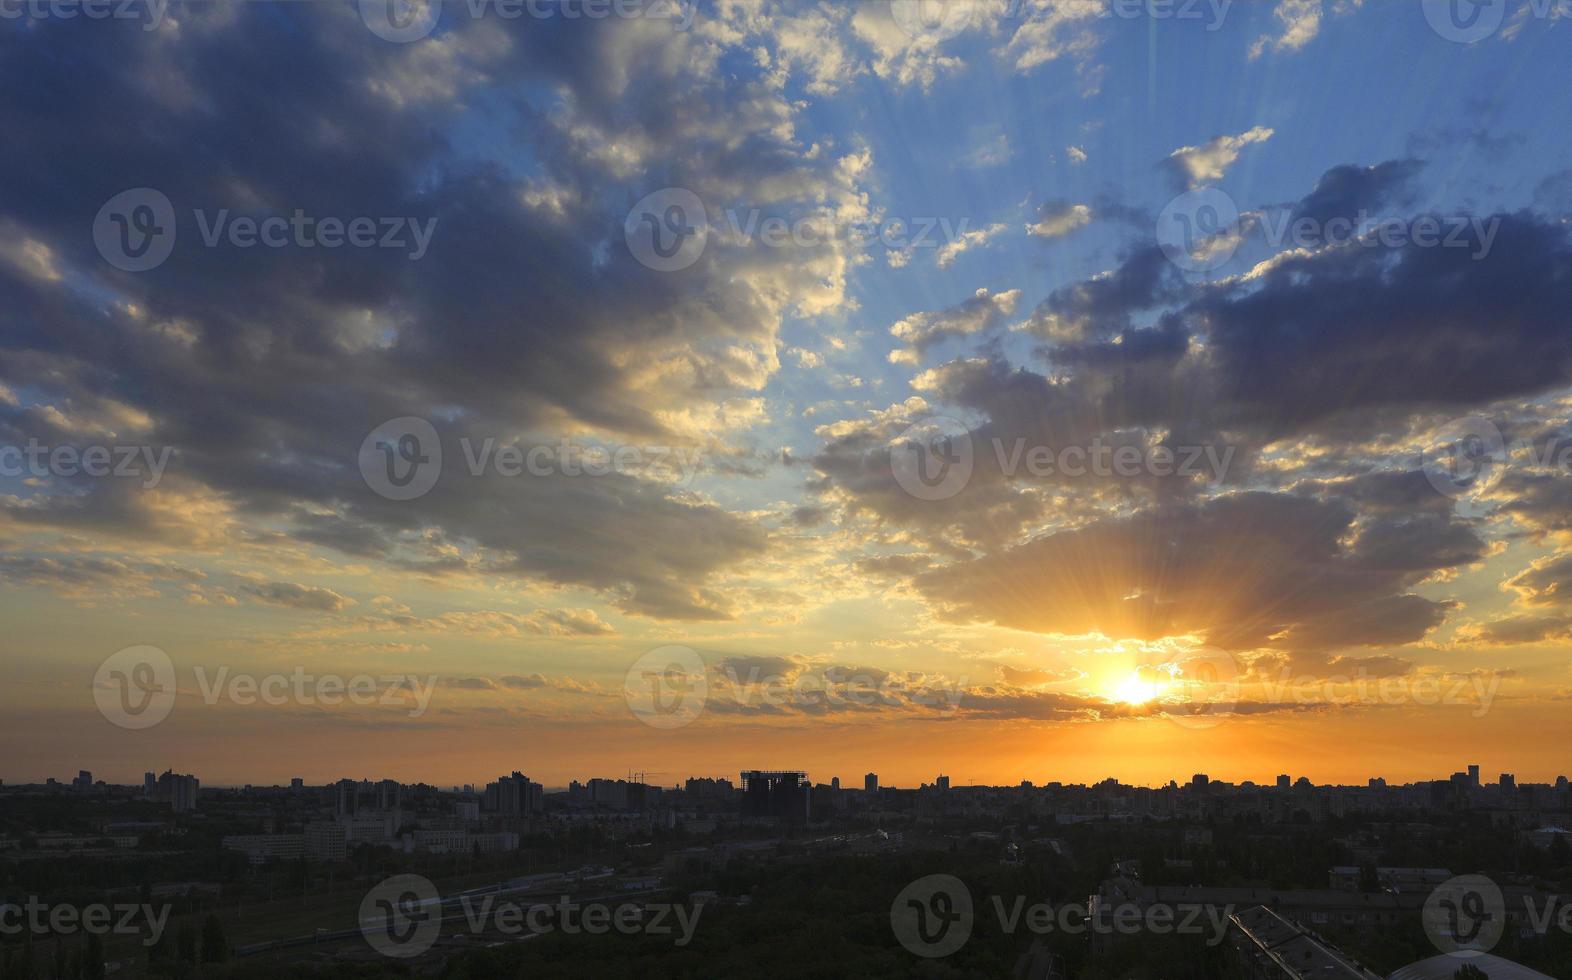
[1476,772]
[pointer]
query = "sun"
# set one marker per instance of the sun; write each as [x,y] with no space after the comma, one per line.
[1136,689]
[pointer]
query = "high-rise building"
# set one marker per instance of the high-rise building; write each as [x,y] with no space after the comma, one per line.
[1508,782]
[514,796]
[943,782]
[83,780]
[785,794]
[346,797]
[1283,782]
[870,783]
[297,786]
[180,792]
[1473,776]
[389,794]
[149,785]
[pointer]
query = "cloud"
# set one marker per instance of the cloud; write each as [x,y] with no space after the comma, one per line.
[1299,22]
[976,238]
[1193,166]
[313,598]
[1245,571]
[1058,218]
[921,331]
[264,369]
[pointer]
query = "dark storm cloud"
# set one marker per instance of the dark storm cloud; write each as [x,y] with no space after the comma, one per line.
[1350,329]
[265,368]
[1351,192]
[1097,309]
[1245,570]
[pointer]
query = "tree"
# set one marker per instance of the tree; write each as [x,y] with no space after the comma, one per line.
[186,943]
[93,958]
[1369,881]
[214,947]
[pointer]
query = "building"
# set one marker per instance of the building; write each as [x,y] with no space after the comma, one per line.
[346,797]
[83,780]
[1422,880]
[1270,947]
[514,796]
[149,785]
[943,782]
[180,792]
[870,783]
[390,794]
[780,794]
[261,848]
[1445,967]
[1283,782]
[326,840]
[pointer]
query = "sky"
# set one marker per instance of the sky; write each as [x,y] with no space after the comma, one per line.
[686,388]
